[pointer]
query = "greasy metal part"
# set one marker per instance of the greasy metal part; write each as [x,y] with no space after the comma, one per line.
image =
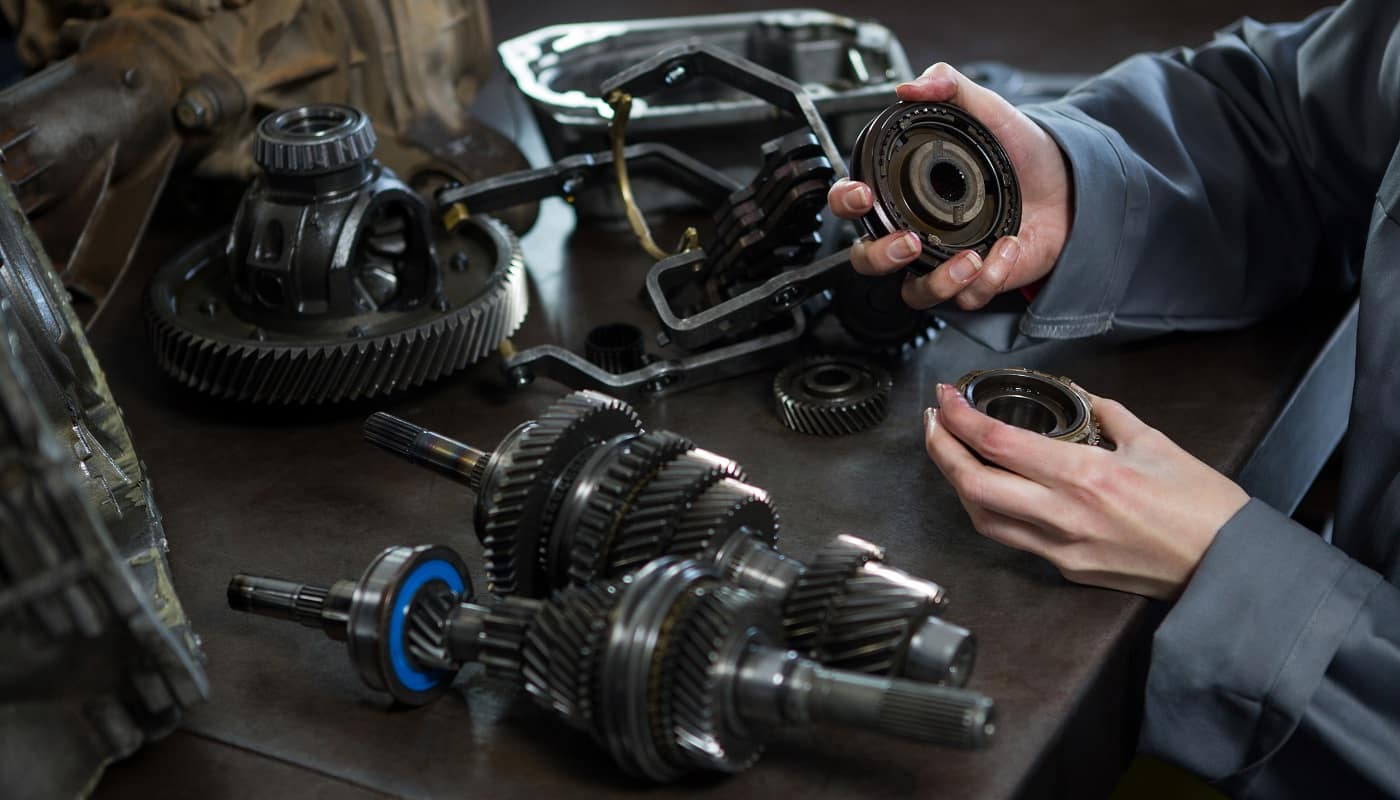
[849,67]
[374,615]
[1034,400]
[358,304]
[669,669]
[616,347]
[137,94]
[584,493]
[99,655]
[832,395]
[937,171]
[872,310]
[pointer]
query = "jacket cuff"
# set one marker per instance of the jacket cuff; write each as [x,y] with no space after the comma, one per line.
[1110,204]
[1239,658]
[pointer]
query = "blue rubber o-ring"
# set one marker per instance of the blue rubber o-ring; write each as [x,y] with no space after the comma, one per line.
[404,671]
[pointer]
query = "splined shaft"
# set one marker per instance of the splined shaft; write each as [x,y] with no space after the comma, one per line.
[584,493]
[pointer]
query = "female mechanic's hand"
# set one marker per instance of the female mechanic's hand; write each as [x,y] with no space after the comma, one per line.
[1014,261]
[1138,518]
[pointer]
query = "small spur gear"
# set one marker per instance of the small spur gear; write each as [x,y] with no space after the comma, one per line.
[832,395]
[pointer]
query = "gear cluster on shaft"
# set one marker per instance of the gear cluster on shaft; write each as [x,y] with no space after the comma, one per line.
[671,669]
[584,493]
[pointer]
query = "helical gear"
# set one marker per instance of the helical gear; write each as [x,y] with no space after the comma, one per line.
[510,520]
[503,631]
[561,649]
[647,530]
[809,601]
[718,513]
[626,476]
[868,625]
[832,395]
[427,626]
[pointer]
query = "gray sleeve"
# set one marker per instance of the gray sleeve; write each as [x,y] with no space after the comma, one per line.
[1277,673]
[1210,184]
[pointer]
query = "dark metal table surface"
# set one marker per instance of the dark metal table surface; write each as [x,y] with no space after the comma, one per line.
[299,495]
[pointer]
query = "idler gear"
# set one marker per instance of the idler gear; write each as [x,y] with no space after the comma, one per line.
[935,170]
[1034,400]
[669,669]
[328,285]
[584,494]
[832,395]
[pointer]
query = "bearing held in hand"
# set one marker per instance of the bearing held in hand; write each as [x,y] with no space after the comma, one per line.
[937,171]
[1034,400]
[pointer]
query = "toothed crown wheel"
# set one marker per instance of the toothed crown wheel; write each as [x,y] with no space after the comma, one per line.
[372,298]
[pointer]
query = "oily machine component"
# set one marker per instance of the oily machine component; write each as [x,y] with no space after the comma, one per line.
[1037,401]
[99,657]
[137,95]
[329,285]
[937,171]
[670,669]
[832,395]
[584,493]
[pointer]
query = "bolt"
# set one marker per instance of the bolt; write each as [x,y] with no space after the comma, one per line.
[459,261]
[675,75]
[787,297]
[521,376]
[663,339]
[571,185]
[197,110]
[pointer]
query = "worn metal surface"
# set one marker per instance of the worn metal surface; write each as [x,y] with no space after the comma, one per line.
[301,494]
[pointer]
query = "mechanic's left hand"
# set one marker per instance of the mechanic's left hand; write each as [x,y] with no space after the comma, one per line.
[1138,518]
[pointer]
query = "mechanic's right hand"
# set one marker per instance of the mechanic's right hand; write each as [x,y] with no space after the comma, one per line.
[1014,261]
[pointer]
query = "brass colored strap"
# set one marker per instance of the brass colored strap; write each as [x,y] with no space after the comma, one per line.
[621,104]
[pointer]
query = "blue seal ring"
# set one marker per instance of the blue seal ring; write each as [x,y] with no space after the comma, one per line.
[405,673]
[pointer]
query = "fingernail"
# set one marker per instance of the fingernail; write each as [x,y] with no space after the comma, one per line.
[930,419]
[1009,250]
[937,393]
[965,267]
[905,247]
[863,195]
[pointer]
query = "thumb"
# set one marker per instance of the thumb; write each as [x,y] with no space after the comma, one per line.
[1119,425]
[941,83]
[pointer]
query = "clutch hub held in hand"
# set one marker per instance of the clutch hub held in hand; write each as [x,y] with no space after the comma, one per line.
[935,170]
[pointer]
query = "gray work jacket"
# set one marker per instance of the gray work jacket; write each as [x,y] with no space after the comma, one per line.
[1211,187]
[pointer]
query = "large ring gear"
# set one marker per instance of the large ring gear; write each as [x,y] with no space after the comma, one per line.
[585,493]
[328,286]
[670,669]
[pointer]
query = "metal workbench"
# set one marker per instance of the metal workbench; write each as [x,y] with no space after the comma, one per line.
[298,494]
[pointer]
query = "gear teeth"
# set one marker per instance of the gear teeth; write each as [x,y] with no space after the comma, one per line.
[720,512]
[503,632]
[427,628]
[647,528]
[632,468]
[824,578]
[562,650]
[868,625]
[697,725]
[808,404]
[331,371]
[512,527]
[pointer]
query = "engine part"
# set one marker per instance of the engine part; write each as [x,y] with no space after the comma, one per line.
[872,310]
[616,347]
[670,669]
[1034,400]
[584,493]
[832,395]
[937,171]
[849,67]
[356,305]
[135,88]
[99,654]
